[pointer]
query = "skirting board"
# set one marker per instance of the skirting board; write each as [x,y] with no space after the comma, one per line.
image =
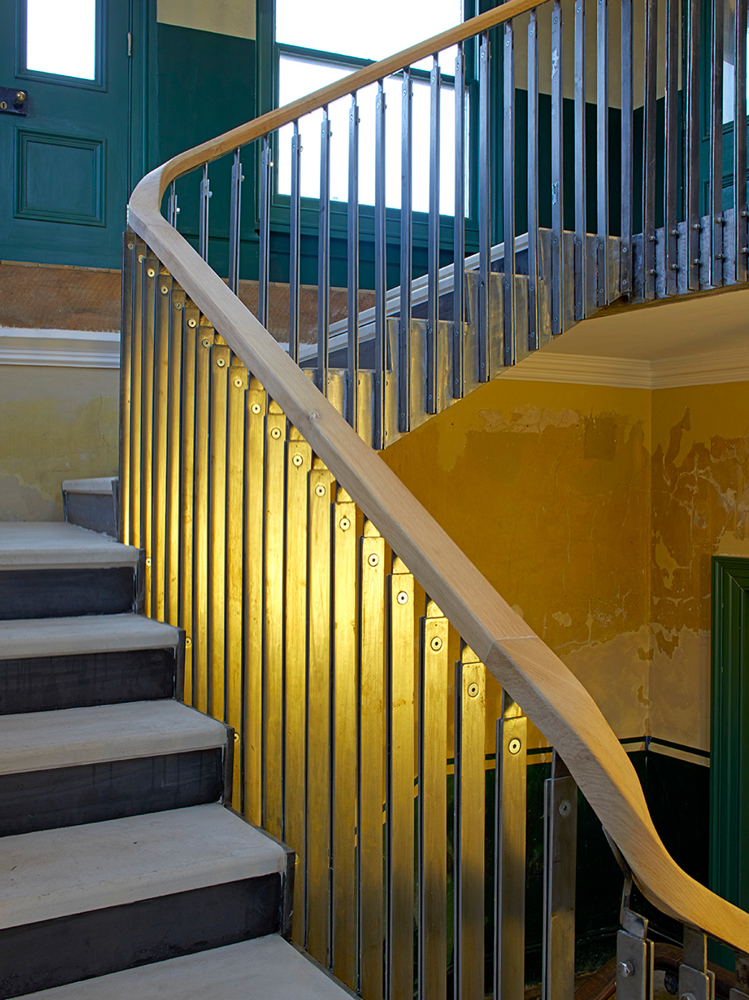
[59,348]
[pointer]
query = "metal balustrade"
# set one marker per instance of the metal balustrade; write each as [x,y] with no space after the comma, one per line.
[352,648]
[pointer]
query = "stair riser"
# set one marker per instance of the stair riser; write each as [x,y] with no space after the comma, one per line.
[41,684]
[61,593]
[95,511]
[55,952]
[90,793]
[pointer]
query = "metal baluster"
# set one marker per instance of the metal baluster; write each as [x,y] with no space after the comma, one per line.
[433,248]
[534,334]
[404,324]
[380,252]
[264,248]
[673,22]
[295,242]
[581,164]
[352,351]
[694,138]
[459,232]
[602,151]
[508,183]
[205,200]
[235,213]
[716,149]
[741,212]
[557,153]
[484,234]
[509,862]
[560,854]
[172,207]
[323,259]
[625,271]
[649,151]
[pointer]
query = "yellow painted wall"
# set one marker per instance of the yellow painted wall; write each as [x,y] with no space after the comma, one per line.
[55,424]
[225,17]
[700,475]
[546,488]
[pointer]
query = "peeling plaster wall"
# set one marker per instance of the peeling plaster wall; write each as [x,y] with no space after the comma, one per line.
[700,502]
[55,424]
[546,488]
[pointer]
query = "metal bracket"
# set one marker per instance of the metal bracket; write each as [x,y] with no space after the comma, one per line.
[696,982]
[741,990]
[635,955]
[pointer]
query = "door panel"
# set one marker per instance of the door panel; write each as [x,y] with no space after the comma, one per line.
[65,163]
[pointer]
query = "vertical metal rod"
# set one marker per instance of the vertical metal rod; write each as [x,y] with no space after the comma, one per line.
[406,262]
[235,219]
[716,148]
[671,219]
[484,234]
[172,207]
[380,253]
[602,150]
[581,227]
[648,258]
[694,139]
[557,155]
[295,243]
[323,259]
[560,855]
[264,248]
[433,248]
[627,179]
[204,227]
[739,142]
[353,263]
[508,207]
[534,335]
[459,231]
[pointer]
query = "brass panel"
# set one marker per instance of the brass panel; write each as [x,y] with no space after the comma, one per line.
[560,869]
[201,654]
[129,276]
[390,395]
[345,608]
[220,362]
[148,334]
[509,836]
[256,407]
[187,521]
[273,646]
[174,457]
[365,406]
[374,570]
[401,834]
[318,714]
[433,684]
[163,306]
[136,397]
[234,551]
[298,465]
[470,825]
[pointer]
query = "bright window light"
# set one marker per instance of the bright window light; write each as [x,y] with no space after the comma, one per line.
[301,76]
[61,37]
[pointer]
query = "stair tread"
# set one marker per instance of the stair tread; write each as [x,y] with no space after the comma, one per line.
[59,545]
[267,968]
[53,873]
[102,485]
[26,638]
[35,741]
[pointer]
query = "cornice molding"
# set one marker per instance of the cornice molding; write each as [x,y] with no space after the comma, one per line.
[59,348]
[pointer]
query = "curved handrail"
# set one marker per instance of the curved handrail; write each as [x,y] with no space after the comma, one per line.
[521,662]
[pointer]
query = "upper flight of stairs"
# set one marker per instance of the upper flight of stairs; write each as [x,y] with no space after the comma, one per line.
[122,872]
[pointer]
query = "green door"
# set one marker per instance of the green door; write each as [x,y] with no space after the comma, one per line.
[64,163]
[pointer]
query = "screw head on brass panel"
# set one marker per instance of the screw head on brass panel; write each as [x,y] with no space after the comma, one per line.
[565,806]
[626,969]
[238,383]
[436,644]
[344,524]
[148,561]
[164,290]
[236,737]
[178,305]
[130,246]
[473,690]
[297,460]
[320,490]
[275,433]
[221,362]
[402,597]
[255,407]
[514,746]
[141,258]
[188,641]
[206,342]
[192,323]
[151,272]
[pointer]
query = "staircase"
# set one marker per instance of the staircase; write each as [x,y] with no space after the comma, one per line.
[124,873]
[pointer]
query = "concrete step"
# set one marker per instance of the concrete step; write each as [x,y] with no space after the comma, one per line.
[61,663]
[92,503]
[51,569]
[82,765]
[82,902]
[267,968]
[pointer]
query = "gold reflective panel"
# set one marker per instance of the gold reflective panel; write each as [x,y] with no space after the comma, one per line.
[129,277]
[220,362]
[148,334]
[174,456]
[187,521]
[163,308]
[201,664]
[136,397]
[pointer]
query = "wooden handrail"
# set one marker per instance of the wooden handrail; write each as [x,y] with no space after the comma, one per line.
[520,661]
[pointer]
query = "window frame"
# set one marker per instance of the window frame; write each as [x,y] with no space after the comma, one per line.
[99,82]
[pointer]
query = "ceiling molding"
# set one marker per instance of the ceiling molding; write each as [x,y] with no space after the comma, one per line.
[709,368]
[59,348]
